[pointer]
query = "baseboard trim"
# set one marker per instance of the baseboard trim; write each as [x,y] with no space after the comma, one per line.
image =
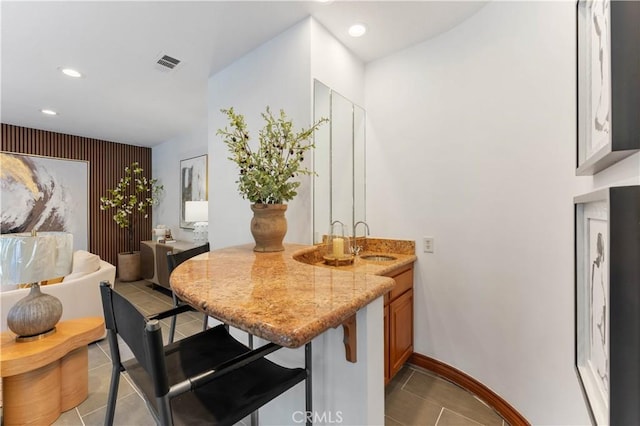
[467,382]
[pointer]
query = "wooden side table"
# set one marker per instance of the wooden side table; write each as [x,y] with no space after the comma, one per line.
[43,378]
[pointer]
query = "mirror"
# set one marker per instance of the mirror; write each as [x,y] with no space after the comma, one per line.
[339,162]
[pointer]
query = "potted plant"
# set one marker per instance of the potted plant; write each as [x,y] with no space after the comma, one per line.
[267,173]
[134,194]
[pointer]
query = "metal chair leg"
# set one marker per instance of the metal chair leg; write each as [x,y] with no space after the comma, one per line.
[113,395]
[174,319]
[205,322]
[308,384]
[255,416]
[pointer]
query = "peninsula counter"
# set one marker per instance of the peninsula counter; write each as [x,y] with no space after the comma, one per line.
[272,295]
[288,302]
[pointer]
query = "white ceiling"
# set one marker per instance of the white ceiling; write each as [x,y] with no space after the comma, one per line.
[123,97]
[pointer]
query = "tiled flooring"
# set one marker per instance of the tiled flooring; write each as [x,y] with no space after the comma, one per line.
[414,397]
[418,397]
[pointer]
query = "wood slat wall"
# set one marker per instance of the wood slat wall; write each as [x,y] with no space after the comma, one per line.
[107,161]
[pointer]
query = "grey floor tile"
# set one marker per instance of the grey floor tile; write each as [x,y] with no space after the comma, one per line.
[410,409]
[126,289]
[399,380]
[130,410]
[99,380]
[104,345]
[119,285]
[451,418]
[69,418]
[163,294]
[165,333]
[153,305]
[178,336]
[388,421]
[137,297]
[451,396]
[146,286]
[182,319]
[97,356]
[190,328]
[197,316]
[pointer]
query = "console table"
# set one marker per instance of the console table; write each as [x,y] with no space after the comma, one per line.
[45,377]
[153,259]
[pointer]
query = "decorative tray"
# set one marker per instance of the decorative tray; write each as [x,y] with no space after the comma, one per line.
[338,261]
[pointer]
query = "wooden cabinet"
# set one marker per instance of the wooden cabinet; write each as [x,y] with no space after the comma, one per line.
[153,259]
[398,322]
[400,331]
[387,375]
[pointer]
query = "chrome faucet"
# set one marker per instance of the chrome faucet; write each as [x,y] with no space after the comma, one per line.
[358,223]
[356,249]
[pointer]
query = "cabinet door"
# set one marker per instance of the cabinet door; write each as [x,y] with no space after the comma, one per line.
[387,371]
[400,331]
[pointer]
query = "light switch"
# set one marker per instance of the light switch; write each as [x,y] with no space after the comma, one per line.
[427,244]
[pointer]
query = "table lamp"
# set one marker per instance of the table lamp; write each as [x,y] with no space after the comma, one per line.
[29,258]
[198,212]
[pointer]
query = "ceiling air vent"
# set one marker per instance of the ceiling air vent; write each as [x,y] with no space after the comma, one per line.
[167,63]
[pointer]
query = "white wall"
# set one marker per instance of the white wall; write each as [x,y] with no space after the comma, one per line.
[335,65]
[276,74]
[472,137]
[165,159]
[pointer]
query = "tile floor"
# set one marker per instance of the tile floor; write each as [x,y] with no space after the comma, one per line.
[414,397]
[418,397]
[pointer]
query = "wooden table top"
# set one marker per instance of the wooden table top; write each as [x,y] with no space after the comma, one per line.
[272,295]
[20,357]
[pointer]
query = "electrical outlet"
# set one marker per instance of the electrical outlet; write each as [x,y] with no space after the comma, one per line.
[427,244]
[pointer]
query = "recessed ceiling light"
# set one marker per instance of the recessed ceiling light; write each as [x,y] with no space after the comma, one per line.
[71,72]
[48,112]
[357,30]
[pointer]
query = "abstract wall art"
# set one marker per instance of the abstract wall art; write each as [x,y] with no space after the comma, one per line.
[45,194]
[608,64]
[193,184]
[607,292]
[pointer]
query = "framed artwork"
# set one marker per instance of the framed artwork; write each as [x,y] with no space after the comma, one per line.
[608,63]
[607,298]
[45,194]
[193,184]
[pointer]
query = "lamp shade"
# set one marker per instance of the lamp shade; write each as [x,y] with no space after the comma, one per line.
[29,259]
[196,211]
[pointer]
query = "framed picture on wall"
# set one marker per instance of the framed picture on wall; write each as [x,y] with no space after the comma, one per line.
[45,194]
[607,300]
[193,184]
[608,65]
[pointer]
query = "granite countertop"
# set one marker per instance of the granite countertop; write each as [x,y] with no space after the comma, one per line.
[402,250]
[278,297]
